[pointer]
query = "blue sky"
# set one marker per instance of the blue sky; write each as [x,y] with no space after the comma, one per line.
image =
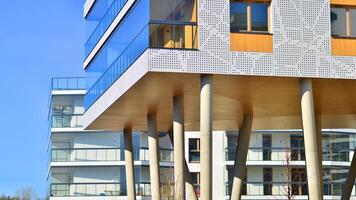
[39,39]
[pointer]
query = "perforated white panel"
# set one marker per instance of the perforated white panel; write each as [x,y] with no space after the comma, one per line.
[301,44]
[214,25]
[344,67]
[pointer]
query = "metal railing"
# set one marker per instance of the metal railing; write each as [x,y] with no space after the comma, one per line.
[114,9]
[68,83]
[86,189]
[133,51]
[144,189]
[128,56]
[292,153]
[281,188]
[85,154]
[67,120]
[166,155]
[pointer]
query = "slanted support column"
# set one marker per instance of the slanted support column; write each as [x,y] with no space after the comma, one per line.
[190,191]
[154,159]
[346,193]
[241,157]
[178,137]
[206,102]
[129,165]
[310,140]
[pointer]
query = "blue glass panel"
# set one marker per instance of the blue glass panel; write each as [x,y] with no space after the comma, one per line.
[103,25]
[238,17]
[259,17]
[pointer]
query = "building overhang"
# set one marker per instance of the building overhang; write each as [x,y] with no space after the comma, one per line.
[274,102]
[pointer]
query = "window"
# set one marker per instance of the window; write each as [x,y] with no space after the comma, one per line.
[336,147]
[297,147]
[196,182]
[173,36]
[267,181]
[173,10]
[267,147]
[299,181]
[248,16]
[194,150]
[343,21]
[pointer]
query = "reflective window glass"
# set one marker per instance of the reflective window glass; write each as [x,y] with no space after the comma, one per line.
[338,21]
[173,10]
[353,21]
[238,16]
[259,17]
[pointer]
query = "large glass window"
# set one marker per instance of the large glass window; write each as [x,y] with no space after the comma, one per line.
[259,17]
[173,36]
[297,147]
[336,147]
[299,181]
[267,181]
[267,147]
[194,150]
[248,16]
[338,21]
[353,22]
[238,16]
[173,10]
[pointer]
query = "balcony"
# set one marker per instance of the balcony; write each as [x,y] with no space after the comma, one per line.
[144,189]
[67,120]
[85,154]
[68,83]
[142,154]
[282,188]
[153,35]
[292,154]
[86,189]
[103,25]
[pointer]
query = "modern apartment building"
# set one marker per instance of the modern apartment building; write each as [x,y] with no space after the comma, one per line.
[202,67]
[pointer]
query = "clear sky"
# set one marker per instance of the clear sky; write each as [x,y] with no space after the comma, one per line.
[39,39]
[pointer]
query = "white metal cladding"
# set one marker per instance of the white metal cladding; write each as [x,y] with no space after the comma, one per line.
[301,44]
[214,25]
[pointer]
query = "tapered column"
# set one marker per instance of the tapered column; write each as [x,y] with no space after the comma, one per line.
[178,135]
[206,101]
[350,181]
[129,165]
[154,159]
[190,191]
[240,157]
[310,140]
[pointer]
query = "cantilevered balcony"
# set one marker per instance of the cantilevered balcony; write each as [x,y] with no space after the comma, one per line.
[67,120]
[85,154]
[292,154]
[284,189]
[153,35]
[86,189]
[68,83]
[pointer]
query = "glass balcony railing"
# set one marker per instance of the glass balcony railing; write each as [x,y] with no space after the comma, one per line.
[144,189]
[181,36]
[67,120]
[292,154]
[85,154]
[118,67]
[166,155]
[68,83]
[86,189]
[103,25]
[282,188]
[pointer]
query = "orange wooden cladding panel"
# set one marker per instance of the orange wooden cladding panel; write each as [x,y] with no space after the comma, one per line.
[251,42]
[344,2]
[343,46]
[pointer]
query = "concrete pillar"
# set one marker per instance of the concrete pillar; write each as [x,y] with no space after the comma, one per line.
[178,137]
[350,181]
[190,191]
[206,102]
[241,157]
[154,158]
[129,165]
[310,140]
